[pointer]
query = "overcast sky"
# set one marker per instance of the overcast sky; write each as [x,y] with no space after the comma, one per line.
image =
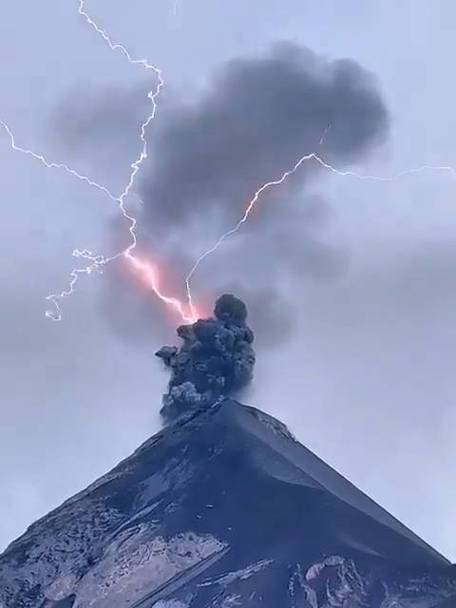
[367,378]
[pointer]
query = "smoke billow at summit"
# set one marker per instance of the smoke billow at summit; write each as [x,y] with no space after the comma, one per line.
[215,360]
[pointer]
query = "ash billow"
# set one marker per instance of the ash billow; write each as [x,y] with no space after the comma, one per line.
[215,360]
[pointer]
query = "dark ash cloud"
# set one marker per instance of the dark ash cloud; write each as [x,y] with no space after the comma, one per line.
[255,120]
[215,360]
[207,158]
[272,317]
[258,117]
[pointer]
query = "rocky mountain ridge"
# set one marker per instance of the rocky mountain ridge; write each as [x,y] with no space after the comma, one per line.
[223,508]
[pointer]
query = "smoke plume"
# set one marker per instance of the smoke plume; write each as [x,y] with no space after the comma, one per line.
[215,359]
[207,156]
[255,120]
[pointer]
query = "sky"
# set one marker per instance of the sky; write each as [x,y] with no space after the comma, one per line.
[360,360]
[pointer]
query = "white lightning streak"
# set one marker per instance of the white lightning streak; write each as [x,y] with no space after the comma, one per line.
[97,261]
[53,165]
[308,157]
[238,225]
[149,272]
[152,96]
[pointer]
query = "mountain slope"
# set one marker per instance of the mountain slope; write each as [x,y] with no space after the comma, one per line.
[223,508]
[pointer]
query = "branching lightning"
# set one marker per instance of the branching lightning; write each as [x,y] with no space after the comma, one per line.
[146,271]
[266,186]
[97,262]
[251,204]
[52,165]
[149,273]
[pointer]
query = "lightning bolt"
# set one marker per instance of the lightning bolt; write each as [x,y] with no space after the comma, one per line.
[146,270]
[97,262]
[251,204]
[52,165]
[149,272]
[279,181]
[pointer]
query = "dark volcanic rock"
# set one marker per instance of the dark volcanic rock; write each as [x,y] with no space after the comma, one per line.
[223,509]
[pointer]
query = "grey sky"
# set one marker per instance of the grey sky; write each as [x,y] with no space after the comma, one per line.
[367,381]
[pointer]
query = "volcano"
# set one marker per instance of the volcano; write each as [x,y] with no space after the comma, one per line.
[221,508]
